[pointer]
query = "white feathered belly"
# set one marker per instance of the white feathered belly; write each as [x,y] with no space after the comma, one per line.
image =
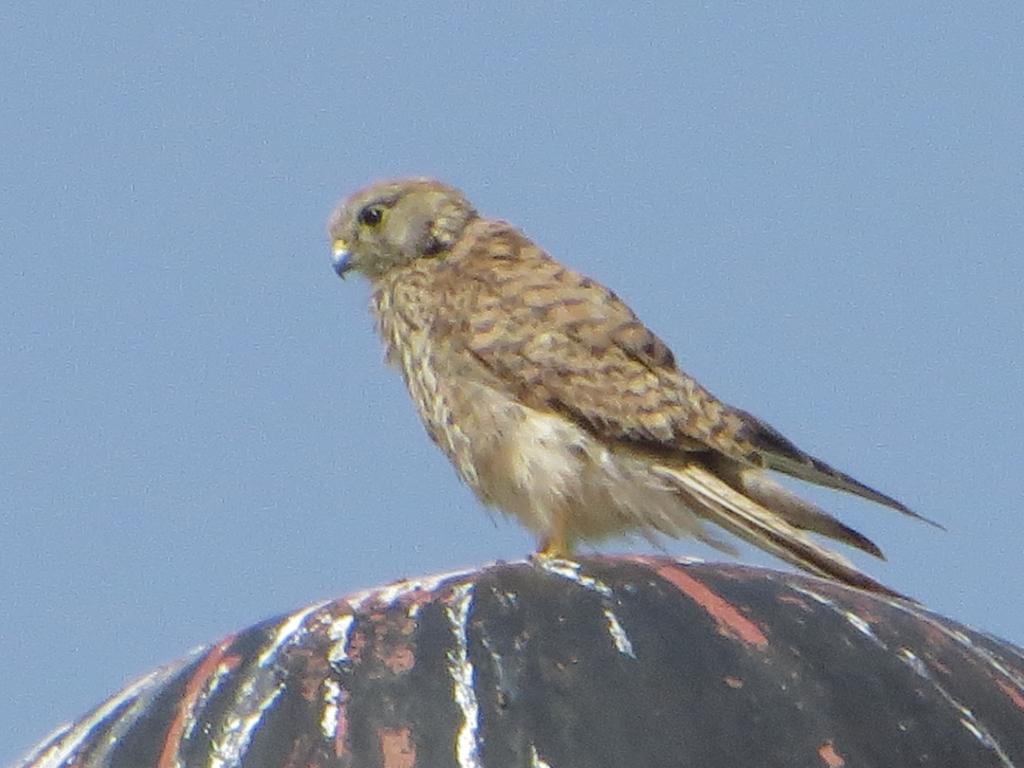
[552,474]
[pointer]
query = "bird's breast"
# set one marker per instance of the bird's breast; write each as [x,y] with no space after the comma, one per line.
[405,321]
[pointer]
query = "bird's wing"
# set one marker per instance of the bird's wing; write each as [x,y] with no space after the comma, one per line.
[560,341]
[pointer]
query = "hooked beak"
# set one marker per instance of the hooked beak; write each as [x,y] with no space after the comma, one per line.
[341,257]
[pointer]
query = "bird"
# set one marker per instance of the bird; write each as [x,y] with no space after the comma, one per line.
[559,407]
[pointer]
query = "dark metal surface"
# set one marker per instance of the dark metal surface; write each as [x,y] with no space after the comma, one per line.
[609,661]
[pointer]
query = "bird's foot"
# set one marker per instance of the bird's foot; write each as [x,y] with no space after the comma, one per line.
[554,548]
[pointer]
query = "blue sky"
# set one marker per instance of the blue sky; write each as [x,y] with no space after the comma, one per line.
[817,205]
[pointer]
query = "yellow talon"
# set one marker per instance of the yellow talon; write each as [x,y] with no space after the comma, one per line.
[555,546]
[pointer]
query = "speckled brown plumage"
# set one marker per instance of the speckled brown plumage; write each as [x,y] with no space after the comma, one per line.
[556,404]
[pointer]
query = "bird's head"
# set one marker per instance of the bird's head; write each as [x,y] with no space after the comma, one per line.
[393,223]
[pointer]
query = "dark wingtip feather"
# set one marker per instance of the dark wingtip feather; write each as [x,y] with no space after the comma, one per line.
[844,482]
[778,452]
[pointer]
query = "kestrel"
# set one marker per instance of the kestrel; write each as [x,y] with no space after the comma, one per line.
[557,405]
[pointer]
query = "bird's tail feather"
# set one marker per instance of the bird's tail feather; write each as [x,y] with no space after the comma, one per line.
[775,529]
[800,513]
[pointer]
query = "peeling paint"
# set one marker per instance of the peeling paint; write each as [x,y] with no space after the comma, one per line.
[60,754]
[235,733]
[207,675]
[829,756]
[1014,693]
[730,622]
[785,599]
[397,748]
[390,594]
[287,631]
[399,659]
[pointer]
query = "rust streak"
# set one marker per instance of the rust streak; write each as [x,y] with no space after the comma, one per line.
[829,756]
[1014,693]
[794,600]
[399,659]
[206,670]
[397,748]
[355,646]
[341,729]
[730,622]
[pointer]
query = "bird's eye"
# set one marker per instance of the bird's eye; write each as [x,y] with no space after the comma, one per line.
[371,215]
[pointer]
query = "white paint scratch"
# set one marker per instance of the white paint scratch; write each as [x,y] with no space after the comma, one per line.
[332,709]
[257,694]
[287,630]
[967,718]
[228,749]
[689,560]
[388,595]
[815,596]
[222,673]
[461,671]
[61,752]
[536,761]
[340,631]
[864,628]
[45,745]
[570,570]
[985,654]
[618,634]
[956,635]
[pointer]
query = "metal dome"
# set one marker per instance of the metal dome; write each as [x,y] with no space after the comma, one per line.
[605,661]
